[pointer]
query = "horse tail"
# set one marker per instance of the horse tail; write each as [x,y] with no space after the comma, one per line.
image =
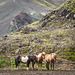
[17,61]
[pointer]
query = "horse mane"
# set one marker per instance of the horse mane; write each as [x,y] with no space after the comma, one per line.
[39,56]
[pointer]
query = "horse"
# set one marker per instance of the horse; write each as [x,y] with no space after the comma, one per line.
[39,58]
[25,59]
[50,59]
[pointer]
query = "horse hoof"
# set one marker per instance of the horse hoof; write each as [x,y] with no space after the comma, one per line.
[27,68]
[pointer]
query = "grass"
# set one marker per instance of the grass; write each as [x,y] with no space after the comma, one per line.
[42,4]
[11,64]
[33,25]
[49,4]
[52,16]
[3,3]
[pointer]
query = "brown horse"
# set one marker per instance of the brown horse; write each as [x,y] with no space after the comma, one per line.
[39,58]
[50,59]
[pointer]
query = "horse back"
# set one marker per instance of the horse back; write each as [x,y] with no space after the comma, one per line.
[24,59]
[32,58]
[49,58]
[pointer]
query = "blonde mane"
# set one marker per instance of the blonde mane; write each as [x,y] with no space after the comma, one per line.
[39,55]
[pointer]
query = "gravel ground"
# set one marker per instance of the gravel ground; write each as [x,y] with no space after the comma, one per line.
[24,72]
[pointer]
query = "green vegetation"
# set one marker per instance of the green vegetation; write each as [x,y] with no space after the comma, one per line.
[10,64]
[54,33]
[53,16]
[45,4]
[49,4]
[69,54]
[41,4]
[1,4]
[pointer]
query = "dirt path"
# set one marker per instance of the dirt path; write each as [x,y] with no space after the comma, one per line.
[24,72]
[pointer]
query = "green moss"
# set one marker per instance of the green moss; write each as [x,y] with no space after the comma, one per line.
[3,3]
[40,3]
[69,54]
[52,16]
[49,4]
[34,24]
[44,5]
[2,57]
[71,5]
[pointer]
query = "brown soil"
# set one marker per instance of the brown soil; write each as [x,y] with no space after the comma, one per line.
[24,72]
[63,64]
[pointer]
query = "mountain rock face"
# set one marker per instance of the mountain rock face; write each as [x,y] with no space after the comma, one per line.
[35,9]
[19,20]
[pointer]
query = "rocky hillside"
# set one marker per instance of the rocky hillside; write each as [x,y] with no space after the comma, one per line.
[19,20]
[55,32]
[35,9]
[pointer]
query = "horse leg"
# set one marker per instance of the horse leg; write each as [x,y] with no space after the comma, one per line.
[38,65]
[41,65]
[53,66]
[32,65]
[52,62]
[47,66]
[17,63]
[17,67]
[28,62]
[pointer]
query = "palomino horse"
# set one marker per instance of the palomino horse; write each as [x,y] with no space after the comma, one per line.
[25,59]
[50,59]
[39,58]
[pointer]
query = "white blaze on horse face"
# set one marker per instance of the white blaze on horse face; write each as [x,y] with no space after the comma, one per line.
[24,59]
[54,55]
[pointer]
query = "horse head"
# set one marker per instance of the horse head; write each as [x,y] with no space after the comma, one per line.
[43,55]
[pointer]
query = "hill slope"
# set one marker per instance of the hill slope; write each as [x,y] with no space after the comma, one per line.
[36,9]
[53,33]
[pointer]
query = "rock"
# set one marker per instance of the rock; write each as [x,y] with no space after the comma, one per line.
[27,29]
[17,51]
[0,50]
[68,2]
[20,20]
[65,12]
[70,16]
